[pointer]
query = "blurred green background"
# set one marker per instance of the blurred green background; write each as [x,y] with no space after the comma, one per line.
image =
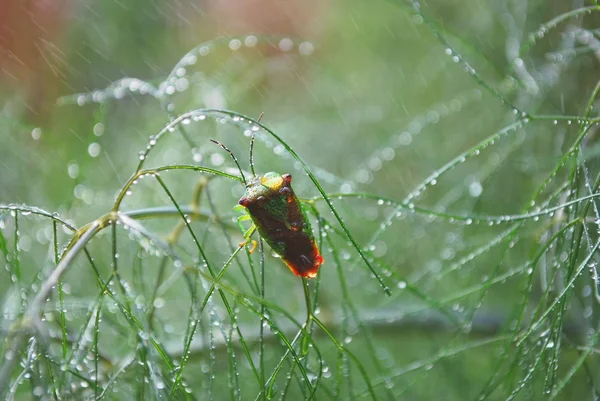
[493,280]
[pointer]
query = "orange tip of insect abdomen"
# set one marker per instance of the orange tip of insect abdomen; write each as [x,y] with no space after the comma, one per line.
[308,273]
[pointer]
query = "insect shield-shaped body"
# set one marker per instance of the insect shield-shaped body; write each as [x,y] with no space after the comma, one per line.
[282,222]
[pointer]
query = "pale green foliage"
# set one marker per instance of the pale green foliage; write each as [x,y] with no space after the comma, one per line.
[446,155]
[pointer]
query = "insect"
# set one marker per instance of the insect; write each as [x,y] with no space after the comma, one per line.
[279,217]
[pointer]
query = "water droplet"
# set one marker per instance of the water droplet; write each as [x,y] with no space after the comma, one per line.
[217,159]
[73,170]
[94,149]
[475,189]
[196,155]
[346,188]
[306,48]
[204,50]
[98,129]
[286,44]
[235,44]
[190,59]
[182,84]
[36,134]
[250,41]
[159,302]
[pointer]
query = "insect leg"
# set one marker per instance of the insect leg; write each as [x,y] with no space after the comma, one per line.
[247,236]
[247,233]
[244,217]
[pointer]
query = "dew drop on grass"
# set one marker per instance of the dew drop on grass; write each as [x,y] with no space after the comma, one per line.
[235,44]
[98,129]
[36,134]
[159,302]
[475,189]
[182,84]
[388,154]
[217,159]
[586,291]
[286,44]
[190,59]
[374,163]
[363,176]
[306,48]
[404,139]
[204,50]
[94,149]
[346,188]
[250,41]
[196,155]
[417,19]
[73,170]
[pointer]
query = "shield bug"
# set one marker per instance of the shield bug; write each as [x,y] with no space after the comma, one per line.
[279,217]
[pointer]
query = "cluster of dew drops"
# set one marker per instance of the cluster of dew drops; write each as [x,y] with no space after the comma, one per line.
[177,81]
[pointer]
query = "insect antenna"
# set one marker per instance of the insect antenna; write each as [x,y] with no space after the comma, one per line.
[234,160]
[252,146]
[252,154]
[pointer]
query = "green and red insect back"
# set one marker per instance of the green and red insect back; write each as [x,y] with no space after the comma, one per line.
[282,222]
[280,218]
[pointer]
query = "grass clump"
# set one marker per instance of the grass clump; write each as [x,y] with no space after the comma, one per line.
[458,219]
